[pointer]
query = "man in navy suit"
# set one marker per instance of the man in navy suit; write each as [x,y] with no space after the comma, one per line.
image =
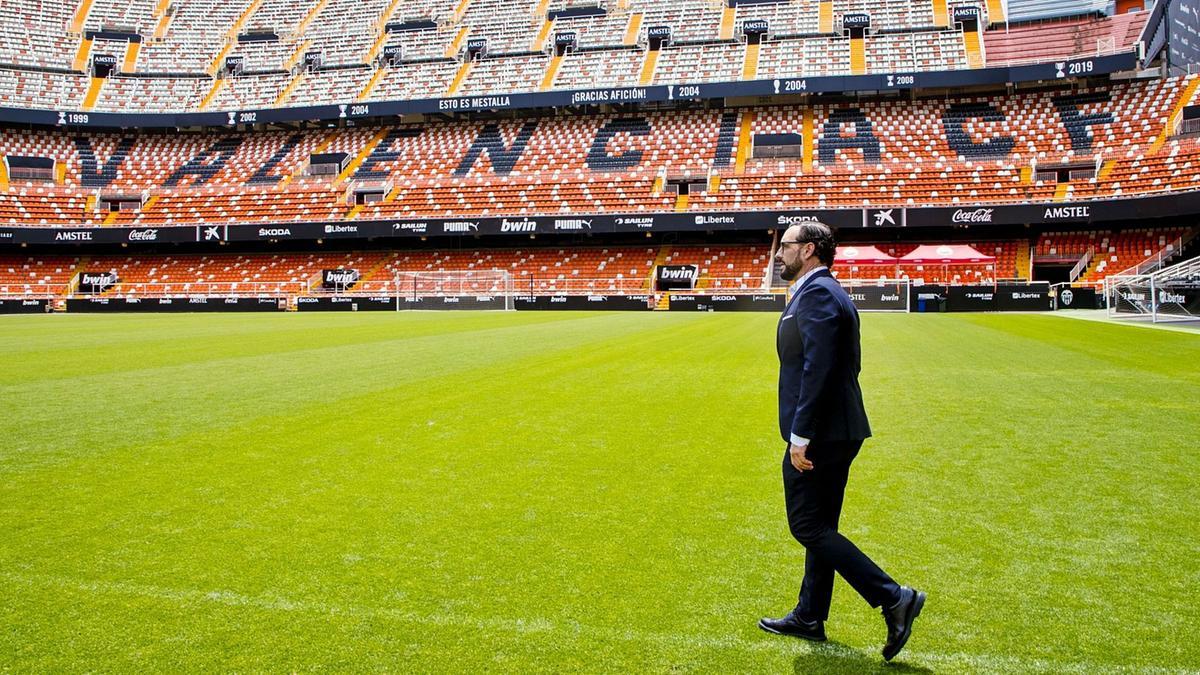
[824,423]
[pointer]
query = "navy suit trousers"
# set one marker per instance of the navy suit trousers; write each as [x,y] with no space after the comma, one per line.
[814,505]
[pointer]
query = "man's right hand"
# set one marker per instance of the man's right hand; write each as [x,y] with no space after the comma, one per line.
[799,457]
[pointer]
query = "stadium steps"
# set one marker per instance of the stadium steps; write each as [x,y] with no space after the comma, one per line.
[660,259]
[1105,169]
[631,31]
[807,148]
[539,42]
[291,87]
[825,17]
[3,173]
[727,17]
[456,43]
[366,91]
[312,14]
[110,218]
[353,213]
[212,93]
[385,16]
[160,29]
[242,19]
[162,19]
[73,284]
[361,157]
[93,93]
[215,66]
[297,55]
[1174,117]
[81,15]
[463,71]
[1061,191]
[996,12]
[941,14]
[1024,260]
[551,73]
[681,202]
[750,63]
[132,49]
[974,47]
[664,302]
[460,10]
[376,47]
[648,67]
[81,55]
[383,262]
[745,142]
[858,56]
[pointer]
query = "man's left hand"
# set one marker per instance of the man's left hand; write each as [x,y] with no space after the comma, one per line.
[799,457]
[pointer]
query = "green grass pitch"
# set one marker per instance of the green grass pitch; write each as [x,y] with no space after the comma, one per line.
[581,492]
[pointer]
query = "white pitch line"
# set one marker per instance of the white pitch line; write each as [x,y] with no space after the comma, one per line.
[1101,316]
[976,662]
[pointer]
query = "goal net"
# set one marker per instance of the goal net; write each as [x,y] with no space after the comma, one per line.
[1170,294]
[456,283]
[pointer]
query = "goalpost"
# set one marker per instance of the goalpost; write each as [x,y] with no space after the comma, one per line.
[1170,294]
[480,284]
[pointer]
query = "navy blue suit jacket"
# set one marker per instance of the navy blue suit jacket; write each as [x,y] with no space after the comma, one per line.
[819,361]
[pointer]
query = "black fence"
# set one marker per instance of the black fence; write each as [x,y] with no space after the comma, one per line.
[1000,298]
[24,306]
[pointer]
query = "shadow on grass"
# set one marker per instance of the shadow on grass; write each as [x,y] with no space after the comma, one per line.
[835,657]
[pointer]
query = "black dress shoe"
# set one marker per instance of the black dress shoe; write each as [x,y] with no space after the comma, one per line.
[794,626]
[899,619]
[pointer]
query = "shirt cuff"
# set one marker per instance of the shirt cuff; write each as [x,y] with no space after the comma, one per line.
[799,440]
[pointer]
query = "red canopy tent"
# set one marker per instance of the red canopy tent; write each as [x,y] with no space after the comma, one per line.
[947,254]
[862,255]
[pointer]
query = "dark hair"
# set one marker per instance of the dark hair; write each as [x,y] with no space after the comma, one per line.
[821,235]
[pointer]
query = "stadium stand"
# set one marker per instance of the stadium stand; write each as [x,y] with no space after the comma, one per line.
[1063,38]
[41,276]
[180,47]
[611,269]
[878,153]
[1117,252]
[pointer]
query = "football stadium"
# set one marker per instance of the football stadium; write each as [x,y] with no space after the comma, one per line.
[450,335]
